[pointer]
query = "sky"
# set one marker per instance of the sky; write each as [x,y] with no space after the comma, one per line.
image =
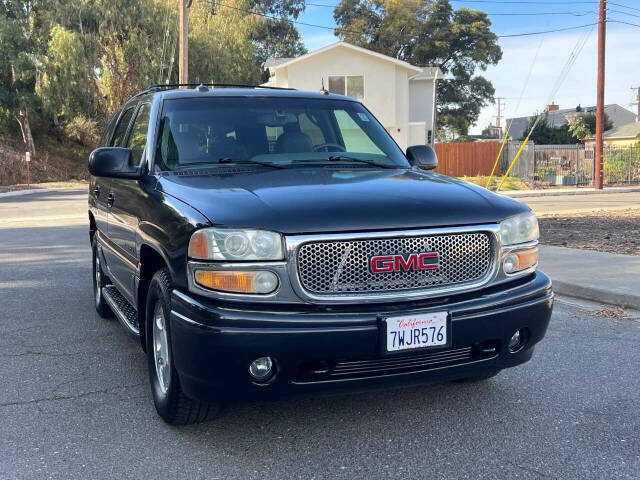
[553,49]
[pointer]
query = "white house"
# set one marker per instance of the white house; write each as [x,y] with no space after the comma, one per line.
[401,95]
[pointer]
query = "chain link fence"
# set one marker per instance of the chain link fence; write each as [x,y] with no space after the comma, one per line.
[571,165]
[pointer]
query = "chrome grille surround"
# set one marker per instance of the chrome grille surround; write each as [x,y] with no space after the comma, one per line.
[334,268]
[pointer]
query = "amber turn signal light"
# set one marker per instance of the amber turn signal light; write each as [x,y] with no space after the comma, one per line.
[518,260]
[260,282]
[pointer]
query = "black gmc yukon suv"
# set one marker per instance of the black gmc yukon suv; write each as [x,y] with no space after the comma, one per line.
[269,242]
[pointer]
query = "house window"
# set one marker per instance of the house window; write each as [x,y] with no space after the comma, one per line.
[349,85]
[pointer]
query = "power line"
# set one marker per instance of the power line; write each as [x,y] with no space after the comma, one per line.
[624,6]
[346,30]
[575,14]
[626,23]
[609,10]
[547,31]
[517,2]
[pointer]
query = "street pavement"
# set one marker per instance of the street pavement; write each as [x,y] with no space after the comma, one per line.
[75,400]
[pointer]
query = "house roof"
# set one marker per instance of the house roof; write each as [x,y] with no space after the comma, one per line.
[628,130]
[285,62]
[565,111]
[275,62]
[557,118]
[428,73]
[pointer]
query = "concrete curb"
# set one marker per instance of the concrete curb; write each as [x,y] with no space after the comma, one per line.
[15,193]
[567,191]
[599,295]
[39,190]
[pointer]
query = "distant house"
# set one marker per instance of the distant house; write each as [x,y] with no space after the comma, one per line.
[402,96]
[622,136]
[557,117]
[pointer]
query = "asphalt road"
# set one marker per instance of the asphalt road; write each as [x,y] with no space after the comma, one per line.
[75,401]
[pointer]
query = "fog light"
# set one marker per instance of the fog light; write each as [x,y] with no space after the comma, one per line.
[262,369]
[510,263]
[516,342]
[265,282]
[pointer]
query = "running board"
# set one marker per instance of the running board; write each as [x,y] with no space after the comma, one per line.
[123,310]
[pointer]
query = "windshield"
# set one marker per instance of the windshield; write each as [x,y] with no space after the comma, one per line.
[280,131]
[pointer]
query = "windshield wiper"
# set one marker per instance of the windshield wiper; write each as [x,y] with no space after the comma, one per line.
[255,162]
[338,158]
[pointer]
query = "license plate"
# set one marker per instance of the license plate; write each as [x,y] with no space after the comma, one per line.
[416,331]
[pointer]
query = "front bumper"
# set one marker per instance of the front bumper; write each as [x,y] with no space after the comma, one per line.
[333,349]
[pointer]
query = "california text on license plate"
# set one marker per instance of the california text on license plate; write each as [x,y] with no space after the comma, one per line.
[416,331]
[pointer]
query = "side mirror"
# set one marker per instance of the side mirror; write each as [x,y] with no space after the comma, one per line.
[114,162]
[422,156]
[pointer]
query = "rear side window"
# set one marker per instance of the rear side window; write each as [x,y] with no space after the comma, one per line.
[121,130]
[108,133]
[138,138]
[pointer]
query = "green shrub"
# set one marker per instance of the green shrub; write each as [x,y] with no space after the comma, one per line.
[543,172]
[83,130]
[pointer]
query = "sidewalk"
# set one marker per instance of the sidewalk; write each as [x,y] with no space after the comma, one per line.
[555,192]
[568,204]
[597,276]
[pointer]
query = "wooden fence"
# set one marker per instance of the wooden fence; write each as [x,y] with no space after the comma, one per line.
[466,158]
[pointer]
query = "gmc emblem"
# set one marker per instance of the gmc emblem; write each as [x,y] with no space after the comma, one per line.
[406,263]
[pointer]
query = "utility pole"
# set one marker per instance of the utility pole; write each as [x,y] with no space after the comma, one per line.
[637,102]
[183,61]
[500,103]
[602,33]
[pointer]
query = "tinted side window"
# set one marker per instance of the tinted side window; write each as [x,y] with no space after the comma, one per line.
[108,133]
[121,129]
[138,138]
[355,138]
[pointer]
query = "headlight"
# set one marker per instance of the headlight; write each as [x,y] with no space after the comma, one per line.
[236,245]
[518,229]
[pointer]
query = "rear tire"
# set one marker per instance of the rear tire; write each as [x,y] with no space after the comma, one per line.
[99,281]
[171,403]
[479,378]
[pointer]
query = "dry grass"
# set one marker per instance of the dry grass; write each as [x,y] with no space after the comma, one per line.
[511,183]
[614,231]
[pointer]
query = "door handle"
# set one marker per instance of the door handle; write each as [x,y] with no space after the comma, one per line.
[110,199]
[96,191]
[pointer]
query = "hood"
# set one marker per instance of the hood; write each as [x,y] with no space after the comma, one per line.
[331,199]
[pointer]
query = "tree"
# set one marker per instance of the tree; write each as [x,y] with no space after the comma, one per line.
[17,68]
[426,32]
[230,45]
[584,126]
[546,134]
[68,77]
[68,64]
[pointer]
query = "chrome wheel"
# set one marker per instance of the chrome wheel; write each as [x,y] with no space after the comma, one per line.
[98,275]
[161,348]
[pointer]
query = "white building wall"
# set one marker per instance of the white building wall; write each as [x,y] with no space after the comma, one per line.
[421,104]
[386,85]
[401,127]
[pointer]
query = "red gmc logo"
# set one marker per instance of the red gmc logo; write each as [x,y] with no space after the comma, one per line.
[406,263]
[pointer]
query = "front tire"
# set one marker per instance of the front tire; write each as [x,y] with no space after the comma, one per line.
[99,281]
[170,401]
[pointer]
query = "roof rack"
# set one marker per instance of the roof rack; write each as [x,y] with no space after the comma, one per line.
[170,86]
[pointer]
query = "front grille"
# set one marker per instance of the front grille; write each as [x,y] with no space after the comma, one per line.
[342,267]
